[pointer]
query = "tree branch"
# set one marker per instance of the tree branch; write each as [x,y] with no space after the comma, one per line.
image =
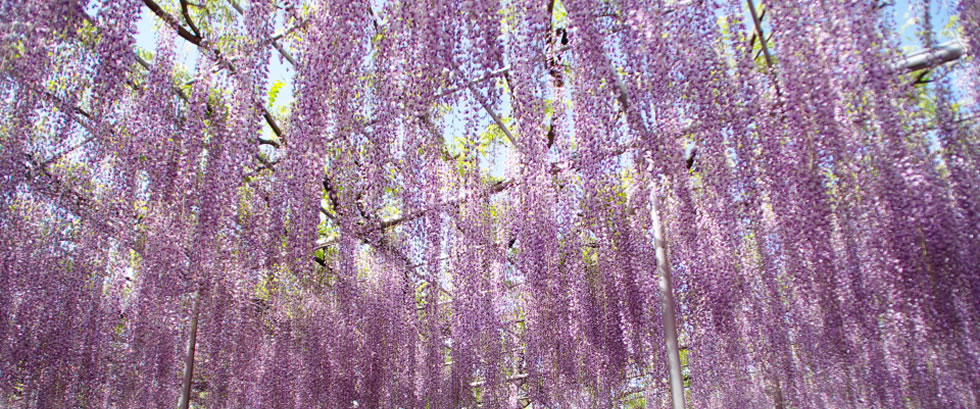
[191,38]
[486,107]
[757,22]
[187,17]
[172,21]
[274,40]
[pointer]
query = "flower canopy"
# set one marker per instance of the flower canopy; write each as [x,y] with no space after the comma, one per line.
[493,204]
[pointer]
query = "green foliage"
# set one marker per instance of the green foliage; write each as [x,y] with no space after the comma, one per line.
[274,90]
[635,401]
[559,15]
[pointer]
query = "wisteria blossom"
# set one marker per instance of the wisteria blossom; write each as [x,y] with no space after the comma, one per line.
[489,204]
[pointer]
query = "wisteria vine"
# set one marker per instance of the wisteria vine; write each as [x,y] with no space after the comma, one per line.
[457,206]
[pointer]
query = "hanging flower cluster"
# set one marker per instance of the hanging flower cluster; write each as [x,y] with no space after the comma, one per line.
[458,209]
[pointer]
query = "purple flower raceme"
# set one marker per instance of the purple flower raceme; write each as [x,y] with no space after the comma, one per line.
[456,211]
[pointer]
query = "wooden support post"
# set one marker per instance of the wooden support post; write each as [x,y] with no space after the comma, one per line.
[185,396]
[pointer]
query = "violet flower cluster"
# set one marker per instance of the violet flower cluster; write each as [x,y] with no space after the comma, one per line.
[457,208]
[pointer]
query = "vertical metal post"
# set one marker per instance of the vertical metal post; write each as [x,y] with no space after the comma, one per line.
[669,313]
[185,396]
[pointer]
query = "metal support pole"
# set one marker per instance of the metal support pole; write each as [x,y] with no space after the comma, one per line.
[185,396]
[932,56]
[669,314]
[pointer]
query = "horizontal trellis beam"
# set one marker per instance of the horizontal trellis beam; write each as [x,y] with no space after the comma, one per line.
[943,53]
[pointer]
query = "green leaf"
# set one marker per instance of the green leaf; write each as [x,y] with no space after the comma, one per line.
[274,92]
